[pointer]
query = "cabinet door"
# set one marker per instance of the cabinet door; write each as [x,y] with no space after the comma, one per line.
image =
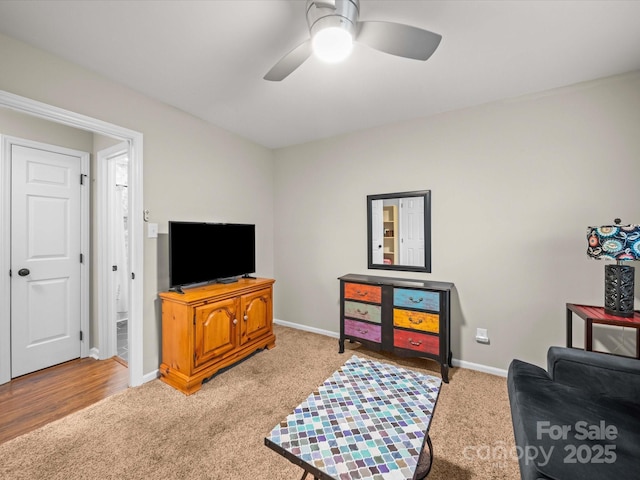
[257,315]
[216,331]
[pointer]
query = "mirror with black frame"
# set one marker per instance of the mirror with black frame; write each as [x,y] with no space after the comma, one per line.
[399,231]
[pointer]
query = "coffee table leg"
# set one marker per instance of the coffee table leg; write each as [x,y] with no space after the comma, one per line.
[425,461]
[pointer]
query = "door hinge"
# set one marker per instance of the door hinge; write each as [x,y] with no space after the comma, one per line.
[81,336]
[114,268]
[82,177]
[81,258]
[9,272]
[133,276]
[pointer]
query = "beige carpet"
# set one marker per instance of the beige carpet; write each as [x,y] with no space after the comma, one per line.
[156,432]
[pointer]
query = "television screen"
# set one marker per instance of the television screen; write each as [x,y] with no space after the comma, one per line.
[204,252]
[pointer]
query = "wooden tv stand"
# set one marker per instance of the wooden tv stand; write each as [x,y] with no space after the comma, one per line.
[209,328]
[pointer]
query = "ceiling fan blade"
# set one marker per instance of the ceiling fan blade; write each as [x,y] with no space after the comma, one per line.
[289,62]
[398,39]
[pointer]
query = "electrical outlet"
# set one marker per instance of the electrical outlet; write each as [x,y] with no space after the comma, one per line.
[482,335]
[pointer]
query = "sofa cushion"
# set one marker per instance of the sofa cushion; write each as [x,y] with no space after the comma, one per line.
[562,432]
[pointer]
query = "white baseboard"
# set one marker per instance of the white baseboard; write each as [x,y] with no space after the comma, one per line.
[297,326]
[147,377]
[479,367]
[456,363]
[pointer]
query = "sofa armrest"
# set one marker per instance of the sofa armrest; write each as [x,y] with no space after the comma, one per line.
[599,373]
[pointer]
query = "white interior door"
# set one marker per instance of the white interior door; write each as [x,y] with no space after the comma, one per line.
[412,231]
[377,232]
[45,257]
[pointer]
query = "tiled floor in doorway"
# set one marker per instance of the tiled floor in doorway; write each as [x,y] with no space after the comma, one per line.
[122,342]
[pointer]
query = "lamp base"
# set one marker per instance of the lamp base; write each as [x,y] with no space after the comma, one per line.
[618,290]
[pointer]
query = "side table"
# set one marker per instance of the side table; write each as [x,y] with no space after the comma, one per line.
[591,315]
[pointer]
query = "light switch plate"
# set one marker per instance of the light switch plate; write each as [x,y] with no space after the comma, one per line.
[152,230]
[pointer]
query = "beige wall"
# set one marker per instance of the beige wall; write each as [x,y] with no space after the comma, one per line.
[19,125]
[514,186]
[192,170]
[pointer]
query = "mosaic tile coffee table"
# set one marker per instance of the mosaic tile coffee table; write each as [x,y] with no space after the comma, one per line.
[368,421]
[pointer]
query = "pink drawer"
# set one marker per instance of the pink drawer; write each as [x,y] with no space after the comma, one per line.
[363,330]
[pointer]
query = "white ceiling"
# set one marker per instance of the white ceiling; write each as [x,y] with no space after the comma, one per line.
[208,57]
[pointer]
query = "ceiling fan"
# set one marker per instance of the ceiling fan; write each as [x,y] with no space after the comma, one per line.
[334,25]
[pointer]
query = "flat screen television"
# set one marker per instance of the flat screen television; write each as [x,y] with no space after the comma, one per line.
[206,252]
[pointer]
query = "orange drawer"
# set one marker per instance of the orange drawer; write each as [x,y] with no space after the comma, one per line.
[420,342]
[364,293]
[428,322]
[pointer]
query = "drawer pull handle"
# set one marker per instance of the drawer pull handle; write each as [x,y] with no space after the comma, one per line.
[415,322]
[415,344]
[365,312]
[362,294]
[416,301]
[364,332]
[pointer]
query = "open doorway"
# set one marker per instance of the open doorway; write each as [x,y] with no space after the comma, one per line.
[134,141]
[113,225]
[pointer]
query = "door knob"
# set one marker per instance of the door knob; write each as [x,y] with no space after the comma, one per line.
[23,272]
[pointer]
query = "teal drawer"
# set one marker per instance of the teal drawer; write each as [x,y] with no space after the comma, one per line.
[418,299]
[363,311]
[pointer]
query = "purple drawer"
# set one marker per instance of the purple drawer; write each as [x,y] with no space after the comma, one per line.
[363,330]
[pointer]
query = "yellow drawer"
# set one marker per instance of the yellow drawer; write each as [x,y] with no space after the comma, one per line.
[429,322]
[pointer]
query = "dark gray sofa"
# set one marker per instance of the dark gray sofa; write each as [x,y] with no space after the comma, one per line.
[578,420]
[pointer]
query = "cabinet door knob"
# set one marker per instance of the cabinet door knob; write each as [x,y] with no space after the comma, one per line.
[246,317]
[235,321]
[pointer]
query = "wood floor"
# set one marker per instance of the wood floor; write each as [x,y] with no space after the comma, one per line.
[33,400]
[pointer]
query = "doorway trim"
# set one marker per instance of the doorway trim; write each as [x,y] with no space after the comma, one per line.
[136,245]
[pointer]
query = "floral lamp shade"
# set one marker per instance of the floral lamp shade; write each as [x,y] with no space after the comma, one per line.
[614,242]
[620,243]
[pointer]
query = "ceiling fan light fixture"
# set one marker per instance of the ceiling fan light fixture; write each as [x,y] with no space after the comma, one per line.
[332,44]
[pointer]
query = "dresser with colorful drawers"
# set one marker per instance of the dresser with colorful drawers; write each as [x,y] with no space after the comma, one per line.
[403,316]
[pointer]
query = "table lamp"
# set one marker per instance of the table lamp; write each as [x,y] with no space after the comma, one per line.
[620,243]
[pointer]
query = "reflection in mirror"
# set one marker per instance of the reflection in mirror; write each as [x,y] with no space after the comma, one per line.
[399,231]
